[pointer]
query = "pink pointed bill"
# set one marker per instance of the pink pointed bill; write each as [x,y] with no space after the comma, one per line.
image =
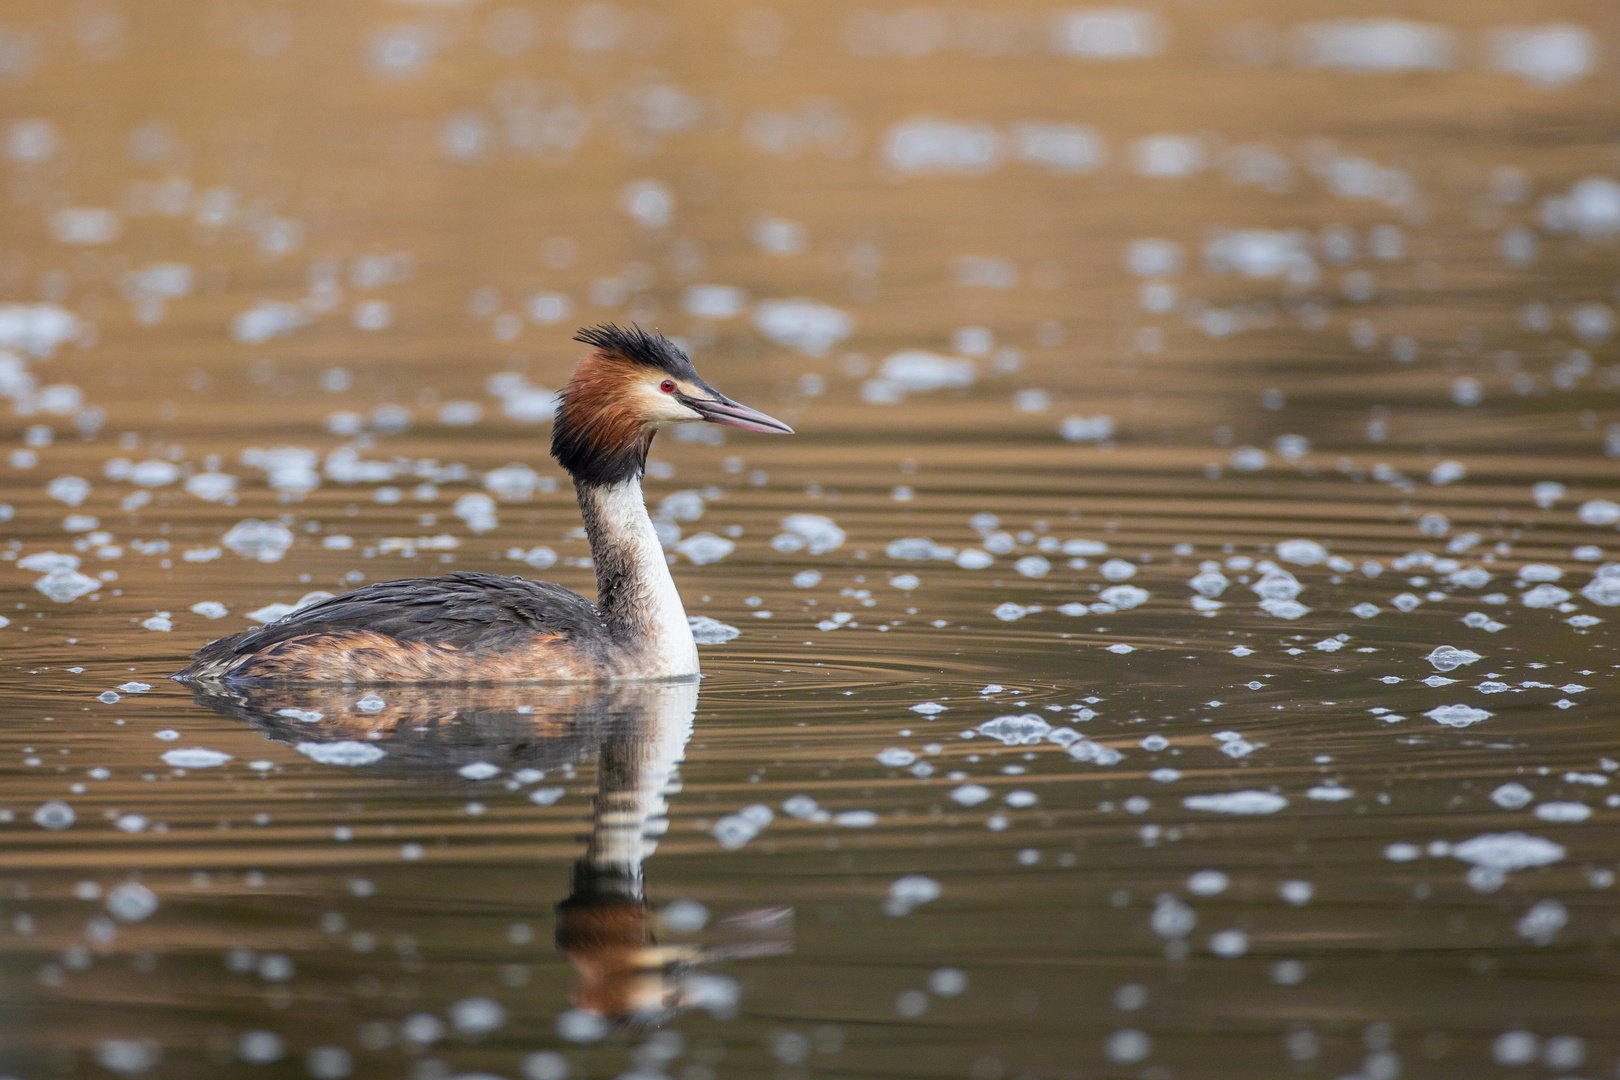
[728,412]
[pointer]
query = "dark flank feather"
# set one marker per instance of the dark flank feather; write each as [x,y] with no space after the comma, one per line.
[464,610]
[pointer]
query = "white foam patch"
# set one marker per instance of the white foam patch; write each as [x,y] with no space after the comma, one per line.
[808,326]
[923,147]
[1107,33]
[1544,596]
[131,902]
[1168,155]
[705,547]
[1302,552]
[477,510]
[970,794]
[1237,802]
[1544,56]
[909,891]
[347,752]
[707,631]
[1098,428]
[273,612]
[65,585]
[195,757]
[265,541]
[917,547]
[1508,851]
[1124,597]
[1512,796]
[1284,609]
[514,483]
[44,562]
[269,320]
[1060,148]
[1604,588]
[37,329]
[1592,209]
[916,371]
[715,301]
[735,830]
[1370,46]
[291,469]
[1259,253]
[812,532]
[1026,729]
[1449,658]
[211,486]
[1563,811]
[525,403]
[1458,716]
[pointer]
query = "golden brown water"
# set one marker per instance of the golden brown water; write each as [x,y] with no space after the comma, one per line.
[1083,300]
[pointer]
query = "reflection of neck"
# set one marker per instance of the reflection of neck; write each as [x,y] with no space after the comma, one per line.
[634,590]
[633,777]
[604,927]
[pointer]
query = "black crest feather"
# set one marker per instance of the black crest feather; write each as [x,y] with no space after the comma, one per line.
[635,344]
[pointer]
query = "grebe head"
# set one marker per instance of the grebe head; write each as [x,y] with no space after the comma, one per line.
[628,386]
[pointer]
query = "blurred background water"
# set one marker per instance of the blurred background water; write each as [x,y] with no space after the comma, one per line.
[1177,643]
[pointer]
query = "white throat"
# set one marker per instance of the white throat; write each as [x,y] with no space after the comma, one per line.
[634,589]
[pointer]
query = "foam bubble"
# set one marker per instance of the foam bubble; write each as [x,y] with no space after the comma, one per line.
[1237,802]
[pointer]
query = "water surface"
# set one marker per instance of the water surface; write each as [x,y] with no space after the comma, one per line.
[1196,660]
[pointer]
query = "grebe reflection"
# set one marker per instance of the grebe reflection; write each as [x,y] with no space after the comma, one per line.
[637,732]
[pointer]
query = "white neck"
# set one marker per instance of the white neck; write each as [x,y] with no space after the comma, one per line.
[634,590]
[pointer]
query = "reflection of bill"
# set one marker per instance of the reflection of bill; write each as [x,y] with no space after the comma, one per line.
[637,732]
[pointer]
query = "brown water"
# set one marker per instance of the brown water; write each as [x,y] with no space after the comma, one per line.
[1188,283]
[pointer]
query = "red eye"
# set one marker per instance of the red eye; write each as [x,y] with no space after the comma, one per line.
[667,386]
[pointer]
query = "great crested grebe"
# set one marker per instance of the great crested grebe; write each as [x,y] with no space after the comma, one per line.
[475,627]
